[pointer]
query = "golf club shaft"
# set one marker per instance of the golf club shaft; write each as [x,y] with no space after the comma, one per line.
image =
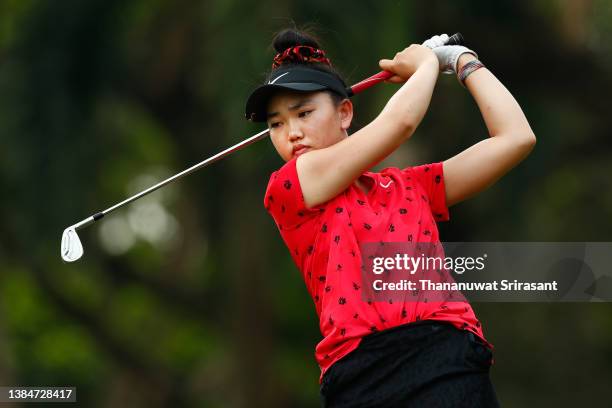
[353,90]
[261,135]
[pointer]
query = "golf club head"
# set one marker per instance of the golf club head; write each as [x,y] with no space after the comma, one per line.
[72,249]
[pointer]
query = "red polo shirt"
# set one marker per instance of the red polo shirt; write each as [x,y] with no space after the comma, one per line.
[402,205]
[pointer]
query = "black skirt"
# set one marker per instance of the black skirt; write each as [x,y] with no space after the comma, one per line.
[422,364]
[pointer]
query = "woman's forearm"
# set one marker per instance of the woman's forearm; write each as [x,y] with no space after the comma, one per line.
[482,164]
[501,113]
[408,105]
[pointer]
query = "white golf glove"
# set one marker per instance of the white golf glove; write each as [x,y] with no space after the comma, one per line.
[436,41]
[448,55]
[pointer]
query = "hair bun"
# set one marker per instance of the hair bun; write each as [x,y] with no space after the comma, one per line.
[291,37]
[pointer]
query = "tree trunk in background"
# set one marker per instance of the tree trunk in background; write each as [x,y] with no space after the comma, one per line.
[248,295]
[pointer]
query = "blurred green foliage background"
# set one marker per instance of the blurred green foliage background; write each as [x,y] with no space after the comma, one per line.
[189,297]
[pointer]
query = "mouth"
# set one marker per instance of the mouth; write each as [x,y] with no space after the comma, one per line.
[300,149]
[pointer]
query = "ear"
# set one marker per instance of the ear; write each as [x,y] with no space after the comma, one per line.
[345,110]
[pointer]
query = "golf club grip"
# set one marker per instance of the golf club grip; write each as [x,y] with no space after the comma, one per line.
[455,39]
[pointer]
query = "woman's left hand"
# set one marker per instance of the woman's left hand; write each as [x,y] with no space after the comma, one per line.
[448,55]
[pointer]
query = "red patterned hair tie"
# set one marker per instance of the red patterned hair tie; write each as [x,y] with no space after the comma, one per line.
[300,53]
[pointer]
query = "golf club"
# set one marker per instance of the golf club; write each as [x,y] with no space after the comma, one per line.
[71,247]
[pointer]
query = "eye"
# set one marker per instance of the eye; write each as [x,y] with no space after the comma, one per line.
[305,113]
[273,125]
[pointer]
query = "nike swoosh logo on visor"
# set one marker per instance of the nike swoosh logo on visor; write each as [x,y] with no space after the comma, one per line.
[277,78]
[388,184]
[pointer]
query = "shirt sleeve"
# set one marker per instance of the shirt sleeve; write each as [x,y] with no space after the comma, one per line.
[284,199]
[431,179]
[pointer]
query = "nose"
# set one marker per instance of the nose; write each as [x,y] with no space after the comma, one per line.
[295,132]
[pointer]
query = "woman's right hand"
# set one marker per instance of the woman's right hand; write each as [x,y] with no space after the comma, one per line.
[406,62]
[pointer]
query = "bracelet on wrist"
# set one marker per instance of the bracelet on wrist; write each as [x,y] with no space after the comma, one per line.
[467,69]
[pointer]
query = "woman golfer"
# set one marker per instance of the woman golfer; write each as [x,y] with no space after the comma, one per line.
[325,202]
